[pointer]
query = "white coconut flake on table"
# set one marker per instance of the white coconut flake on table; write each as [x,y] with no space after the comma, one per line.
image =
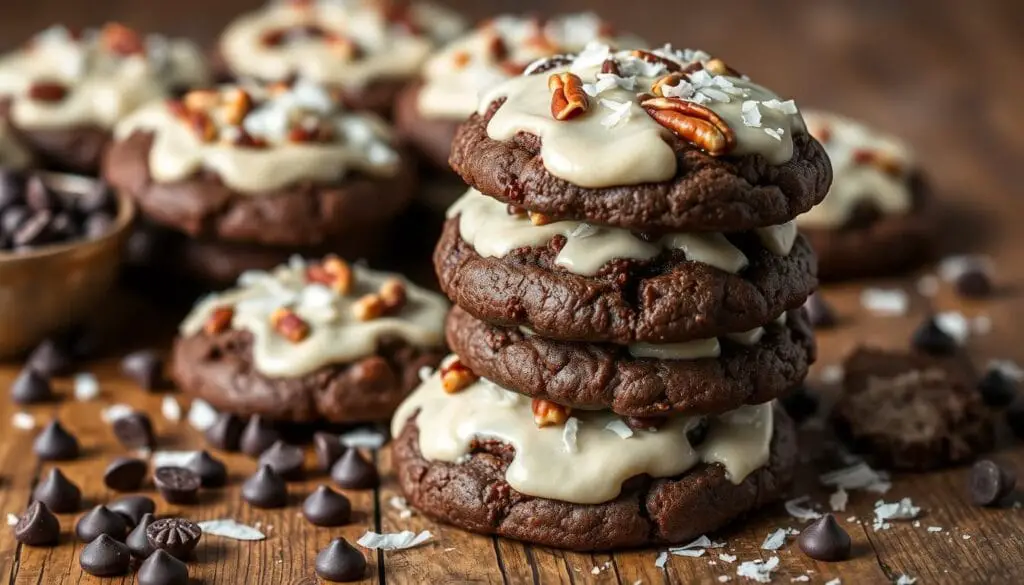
[885,301]
[928,285]
[775,540]
[758,570]
[11,519]
[901,510]
[620,428]
[86,386]
[859,476]
[836,581]
[800,579]
[201,416]
[934,529]
[23,421]
[393,540]
[1008,368]
[954,324]
[832,374]
[727,557]
[693,549]
[953,267]
[363,438]
[229,528]
[981,325]
[570,431]
[906,580]
[796,509]
[425,373]
[724,578]
[115,411]
[170,409]
[171,458]
[838,500]
[399,503]
[661,560]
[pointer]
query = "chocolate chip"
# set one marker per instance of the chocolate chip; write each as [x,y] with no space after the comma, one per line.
[212,472]
[286,460]
[62,227]
[31,387]
[162,569]
[819,312]
[226,432]
[12,188]
[58,493]
[973,283]
[101,520]
[105,557]
[37,526]
[125,474]
[1015,420]
[340,561]
[353,471]
[133,508]
[51,358]
[932,340]
[34,231]
[326,507]
[97,225]
[177,485]
[12,219]
[145,367]
[134,431]
[265,489]
[137,540]
[328,450]
[990,483]
[800,404]
[55,444]
[95,200]
[997,389]
[39,196]
[825,540]
[177,536]
[257,437]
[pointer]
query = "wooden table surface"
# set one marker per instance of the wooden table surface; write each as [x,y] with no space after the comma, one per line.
[943,74]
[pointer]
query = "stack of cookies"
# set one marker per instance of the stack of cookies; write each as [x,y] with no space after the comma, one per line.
[628,283]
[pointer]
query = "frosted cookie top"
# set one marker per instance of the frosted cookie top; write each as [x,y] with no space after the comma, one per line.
[13,154]
[605,118]
[350,43]
[499,49]
[63,78]
[868,167]
[304,316]
[260,138]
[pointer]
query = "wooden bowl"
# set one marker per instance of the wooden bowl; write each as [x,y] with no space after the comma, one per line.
[55,287]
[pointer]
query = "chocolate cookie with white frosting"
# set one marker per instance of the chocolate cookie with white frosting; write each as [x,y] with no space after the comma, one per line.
[277,165]
[322,341]
[64,90]
[661,140]
[491,461]
[365,49]
[879,217]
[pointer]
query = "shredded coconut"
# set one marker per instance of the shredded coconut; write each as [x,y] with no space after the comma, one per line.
[954,324]
[425,373]
[832,374]
[787,107]
[23,421]
[399,503]
[760,571]
[901,510]
[661,560]
[1008,368]
[837,501]
[795,509]
[934,529]
[230,529]
[889,302]
[171,458]
[394,540]
[953,267]
[928,285]
[906,580]
[87,386]
[800,579]
[201,415]
[856,477]
[115,411]
[11,519]
[727,557]
[170,409]
[775,540]
[836,581]
[697,548]
[620,428]
[751,114]
[620,112]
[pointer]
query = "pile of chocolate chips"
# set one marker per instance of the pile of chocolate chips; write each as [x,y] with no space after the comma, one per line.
[32,214]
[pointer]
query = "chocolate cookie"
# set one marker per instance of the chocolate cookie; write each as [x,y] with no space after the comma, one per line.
[748,369]
[432,137]
[911,411]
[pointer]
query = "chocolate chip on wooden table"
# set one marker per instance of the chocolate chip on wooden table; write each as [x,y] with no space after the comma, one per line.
[51,358]
[54,443]
[105,557]
[133,508]
[825,540]
[101,520]
[265,489]
[125,474]
[212,472]
[990,483]
[134,431]
[353,471]
[973,283]
[326,507]
[931,339]
[177,536]
[58,493]
[37,526]
[138,541]
[286,460]
[31,387]
[340,561]
[162,569]
[328,450]
[39,196]
[145,367]
[258,436]
[226,433]
[34,231]
[177,485]
[819,312]
[997,388]
[800,404]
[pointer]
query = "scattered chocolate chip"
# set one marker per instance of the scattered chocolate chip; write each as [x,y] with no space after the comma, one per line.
[340,561]
[37,526]
[226,432]
[133,508]
[34,231]
[326,507]
[95,200]
[101,520]
[265,489]
[286,460]
[990,483]
[932,340]
[31,387]
[105,557]
[145,367]
[134,431]
[212,472]
[137,540]
[51,358]
[997,389]
[353,471]
[162,569]
[328,449]
[55,444]
[97,225]
[177,536]
[1015,420]
[973,283]
[125,474]
[819,312]
[12,218]
[825,540]
[39,196]
[58,493]
[177,485]
[257,437]
[800,404]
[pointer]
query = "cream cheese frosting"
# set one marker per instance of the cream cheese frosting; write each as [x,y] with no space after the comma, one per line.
[867,166]
[100,76]
[615,142]
[590,466]
[336,335]
[354,141]
[500,49]
[350,43]
[13,154]
[699,348]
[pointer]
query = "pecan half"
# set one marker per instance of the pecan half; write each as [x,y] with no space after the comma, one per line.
[880,160]
[611,66]
[539,219]
[120,39]
[289,325]
[650,57]
[47,91]
[455,376]
[343,46]
[392,292]
[202,125]
[547,413]
[567,97]
[332,272]
[369,307]
[202,99]
[670,80]
[719,67]
[219,320]
[237,105]
[497,50]
[547,64]
[245,140]
[693,123]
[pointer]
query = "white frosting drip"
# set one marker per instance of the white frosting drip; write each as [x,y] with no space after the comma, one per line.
[593,471]
[854,181]
[102,86]
[336,335]
[387,50]
[700,348]
[616,142]
[363,144]
[13,154]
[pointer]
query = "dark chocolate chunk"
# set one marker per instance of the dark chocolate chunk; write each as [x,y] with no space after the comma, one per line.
[212,472]
[39,196]
[134,431]
[328,449]
[133,508]
[353,471]
[862,215]
[101,520]
[137,540]
[326,507]
[973,283]
[286,460]
[145,367]
[95,200]
[800,404]
[58,493]
[998,390]
[12,218]
[820,313]
[226,432]
[125,474]
[51,358]
[37,526]
[340,561]
[257,437]
[63,227]
[990,483]
[1015,420]
[177,536]
[177,485]
[932,340]
[31,387]
[105,557]
[12,188]
[265,489]
[162,569]
[55,444]
[34,231]
[97,225]
[825,540]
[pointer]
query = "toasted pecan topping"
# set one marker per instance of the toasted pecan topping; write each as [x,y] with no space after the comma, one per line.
[693,123]
[567,97]
[547,413]
[455,376]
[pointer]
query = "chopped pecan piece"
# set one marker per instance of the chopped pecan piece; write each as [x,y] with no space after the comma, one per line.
[273,37]
[237,105]
[392,292]
[693,123]
[243,139]
[539,219]
[201,100]
[332,272]
[567,97]
[455,376]
[880,160]
[718,67]
[289,325]
[650,57]
[120,39]
[47,91]
[177,108]
[343,46]
[547,413]
[460,59]
[515,210]
[369,307]
[670,80]
[202,125]
[219,320]
[497,50]
[611,66]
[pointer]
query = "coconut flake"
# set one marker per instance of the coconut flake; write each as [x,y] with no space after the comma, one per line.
[86,386]
[201,415]
[583,230]
[570,431]
[906,580]
[795,509]
[171,458]
[1008,368]
[836,581]
[393,540]
[775,133]
[684,89]
[758,570]
[954,324]
[399,503]
[620,112]
[12,519]
[751,114]
[856,477]
[981,325]
[23,421]
[837,501]
[800,579]
[724,578]
[230,529]
[425,373]
[115,411]
[901,510]
[620,428]
[697,548]
[928,285]
[593,55]
[787,107]
[661,560]
[832,374]
[952,268]
[727,557]
[170,409]
[364,438]
[889,302]
[934,529]
[775,540]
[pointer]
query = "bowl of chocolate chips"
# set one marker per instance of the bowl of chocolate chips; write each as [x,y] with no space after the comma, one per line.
[61,240]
